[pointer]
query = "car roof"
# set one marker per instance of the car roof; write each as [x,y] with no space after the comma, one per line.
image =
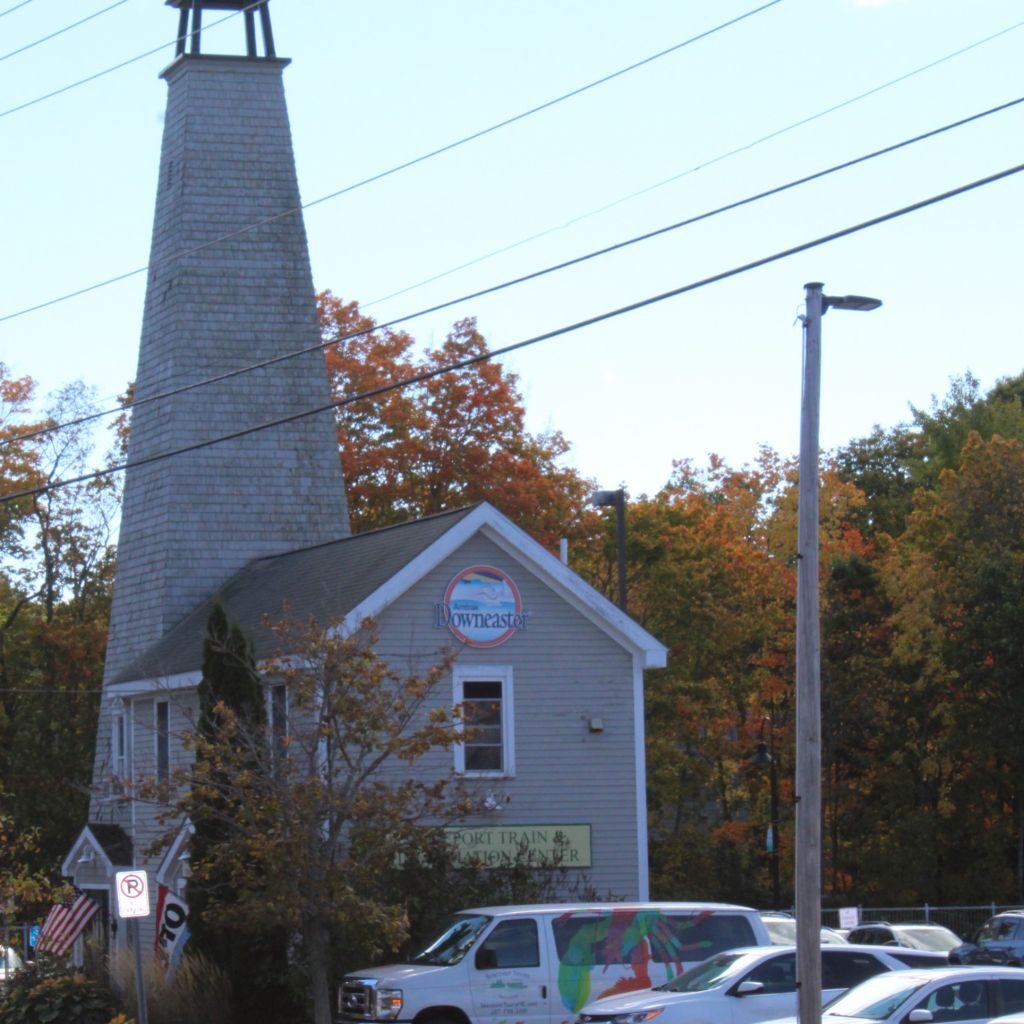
[599,907]
[940,974]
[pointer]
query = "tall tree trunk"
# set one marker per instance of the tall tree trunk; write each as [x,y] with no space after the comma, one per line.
[314,936]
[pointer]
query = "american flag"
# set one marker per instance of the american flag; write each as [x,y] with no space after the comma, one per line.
[65,922]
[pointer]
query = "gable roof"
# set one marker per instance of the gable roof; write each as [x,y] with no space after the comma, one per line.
[359,576]
[108,843]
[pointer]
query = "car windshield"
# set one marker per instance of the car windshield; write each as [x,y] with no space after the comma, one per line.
[939,939]
[997,929]
[781,930]
[452,944]
[707,974]
[876,998]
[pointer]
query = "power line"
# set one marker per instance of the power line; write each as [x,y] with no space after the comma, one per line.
[42,431]
[448,147]
[11,10]
[504,350]
[693,170]
[61,31]
[117,67]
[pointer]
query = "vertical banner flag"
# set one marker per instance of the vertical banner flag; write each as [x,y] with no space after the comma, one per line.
[65,922]
[171,927]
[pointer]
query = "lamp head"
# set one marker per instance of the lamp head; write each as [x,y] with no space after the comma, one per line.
[859,303]
[602,499]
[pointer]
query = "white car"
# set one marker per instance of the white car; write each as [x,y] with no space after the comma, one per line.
[966,995]
[742,986]
[782,929]
[9,963]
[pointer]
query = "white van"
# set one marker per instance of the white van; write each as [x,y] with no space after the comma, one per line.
[542,964]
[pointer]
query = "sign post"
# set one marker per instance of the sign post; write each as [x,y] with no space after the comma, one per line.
[132,903]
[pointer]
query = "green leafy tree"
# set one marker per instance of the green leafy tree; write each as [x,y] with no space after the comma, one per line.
[55,578]
[959,574]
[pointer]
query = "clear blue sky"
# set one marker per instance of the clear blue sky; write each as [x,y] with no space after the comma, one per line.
[374,85]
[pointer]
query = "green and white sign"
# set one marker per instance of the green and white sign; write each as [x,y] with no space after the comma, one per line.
[565,846]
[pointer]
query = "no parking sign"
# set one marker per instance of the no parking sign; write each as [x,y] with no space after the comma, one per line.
[132,894]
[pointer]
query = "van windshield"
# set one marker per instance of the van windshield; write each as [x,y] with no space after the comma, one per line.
[454,942]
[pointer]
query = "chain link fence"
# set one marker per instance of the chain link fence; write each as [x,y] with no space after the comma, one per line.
[965,921]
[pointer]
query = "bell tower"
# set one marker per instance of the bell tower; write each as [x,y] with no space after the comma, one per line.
[191,12]
[229,286]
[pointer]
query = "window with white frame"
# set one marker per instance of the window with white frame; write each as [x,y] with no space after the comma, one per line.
[119,744]
[485,696]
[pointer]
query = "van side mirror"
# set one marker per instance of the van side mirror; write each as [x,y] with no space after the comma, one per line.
[486,958]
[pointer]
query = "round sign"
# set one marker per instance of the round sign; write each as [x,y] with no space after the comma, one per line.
[482,607]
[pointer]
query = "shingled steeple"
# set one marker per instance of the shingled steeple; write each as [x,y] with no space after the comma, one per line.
[229,286]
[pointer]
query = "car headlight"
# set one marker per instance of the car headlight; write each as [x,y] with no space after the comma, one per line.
[387,1003]
[637,1016]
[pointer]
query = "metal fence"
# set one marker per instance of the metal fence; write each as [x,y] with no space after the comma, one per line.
[965,921]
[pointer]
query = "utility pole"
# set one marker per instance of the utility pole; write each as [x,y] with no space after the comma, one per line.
[807,848]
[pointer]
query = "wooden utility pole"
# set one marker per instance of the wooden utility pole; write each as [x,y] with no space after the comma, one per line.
[807,848]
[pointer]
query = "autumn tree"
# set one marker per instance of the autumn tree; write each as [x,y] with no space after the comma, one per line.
[307,814]
[55,580]
[445,442]
[705,580]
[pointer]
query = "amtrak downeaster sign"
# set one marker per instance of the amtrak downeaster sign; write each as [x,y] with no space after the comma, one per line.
[481,607]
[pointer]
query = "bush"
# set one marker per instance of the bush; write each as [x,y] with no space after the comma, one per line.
[49,992]
[197,990]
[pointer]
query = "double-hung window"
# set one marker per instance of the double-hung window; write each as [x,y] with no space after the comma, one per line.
[485,696]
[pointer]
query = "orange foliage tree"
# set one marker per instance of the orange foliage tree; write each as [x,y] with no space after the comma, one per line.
[438,444]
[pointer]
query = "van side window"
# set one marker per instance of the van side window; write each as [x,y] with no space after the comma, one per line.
[586,940]
[697,936]
[512,944]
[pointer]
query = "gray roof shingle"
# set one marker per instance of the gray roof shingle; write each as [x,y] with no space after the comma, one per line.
[324,582]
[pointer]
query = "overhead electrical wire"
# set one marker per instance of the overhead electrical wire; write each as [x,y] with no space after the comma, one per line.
[505,349]
[736,204]
[61,31]
[123,64]
[11,10]
[377,177]
[448,147]
[693,170]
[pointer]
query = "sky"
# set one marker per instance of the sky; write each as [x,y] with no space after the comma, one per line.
[372,86]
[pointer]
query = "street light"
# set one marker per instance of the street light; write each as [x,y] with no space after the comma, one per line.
[765,758]
[617,498]
[807,847]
